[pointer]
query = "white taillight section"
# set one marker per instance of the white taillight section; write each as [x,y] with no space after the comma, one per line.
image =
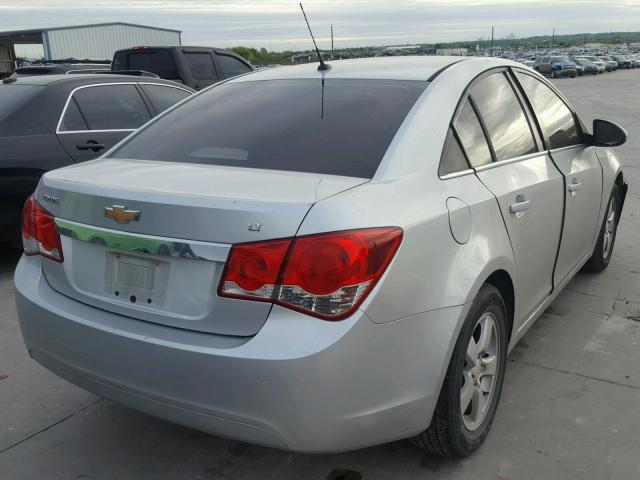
[326,275]
[39,235]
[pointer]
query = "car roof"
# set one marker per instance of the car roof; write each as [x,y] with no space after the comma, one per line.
[82,78]
[420,68]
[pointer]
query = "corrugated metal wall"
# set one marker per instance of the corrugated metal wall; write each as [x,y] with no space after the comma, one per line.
[6,59]
[99,42]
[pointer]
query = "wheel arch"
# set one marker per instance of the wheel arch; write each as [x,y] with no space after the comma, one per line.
[501,280]
[501,274]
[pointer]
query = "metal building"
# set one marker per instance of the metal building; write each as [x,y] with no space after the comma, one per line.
[84,42]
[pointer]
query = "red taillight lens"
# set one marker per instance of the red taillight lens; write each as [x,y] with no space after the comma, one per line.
[39,235]
[252,269]
[327,275]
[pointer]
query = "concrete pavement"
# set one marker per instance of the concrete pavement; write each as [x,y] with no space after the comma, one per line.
[569,407]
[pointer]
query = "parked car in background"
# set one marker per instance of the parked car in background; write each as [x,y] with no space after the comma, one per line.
[601,64]
[196,67]
[612,65]
[587,65]
[555,66]
[623,62]
[347,262]
[49,121]
[61,68]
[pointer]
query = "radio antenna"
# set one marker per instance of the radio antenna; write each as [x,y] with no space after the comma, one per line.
[322,66]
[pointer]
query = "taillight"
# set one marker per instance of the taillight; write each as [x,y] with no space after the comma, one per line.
[326,275]
[39,235]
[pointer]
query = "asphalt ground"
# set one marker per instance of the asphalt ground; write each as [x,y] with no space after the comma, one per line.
[570,406]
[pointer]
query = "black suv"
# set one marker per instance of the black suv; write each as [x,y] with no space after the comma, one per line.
[197,67]
[49,121]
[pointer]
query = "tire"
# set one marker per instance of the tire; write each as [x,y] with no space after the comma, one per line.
[454,433]
[607,238]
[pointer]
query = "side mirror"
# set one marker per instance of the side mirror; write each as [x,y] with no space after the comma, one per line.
[608,134]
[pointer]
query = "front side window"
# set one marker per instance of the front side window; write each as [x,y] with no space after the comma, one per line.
[335,126]
[555,118]
[231,66]
[112,107]
[472,137]
[503,117]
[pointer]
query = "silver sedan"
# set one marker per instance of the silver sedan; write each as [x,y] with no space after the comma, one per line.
[322,260]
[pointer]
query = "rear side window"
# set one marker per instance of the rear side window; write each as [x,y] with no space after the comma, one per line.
[160,62]
[72,120]
[336,126]
[472,137]
[556,120]
[164,97]
[231,66]
[453,159]
[201,65]
[503,117]
[112,107]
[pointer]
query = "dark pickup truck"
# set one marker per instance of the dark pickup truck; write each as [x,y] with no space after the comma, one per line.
[196,67]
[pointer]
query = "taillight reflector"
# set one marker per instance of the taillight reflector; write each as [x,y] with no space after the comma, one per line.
[325,275]
[39,235]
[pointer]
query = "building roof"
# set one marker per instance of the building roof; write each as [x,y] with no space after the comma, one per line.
[89,25]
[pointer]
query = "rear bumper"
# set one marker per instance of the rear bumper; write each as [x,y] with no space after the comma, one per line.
[300,384]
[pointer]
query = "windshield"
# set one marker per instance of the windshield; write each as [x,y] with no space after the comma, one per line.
[559,59]
[333,126]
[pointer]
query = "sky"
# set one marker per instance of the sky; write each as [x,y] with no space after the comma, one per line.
[278,24]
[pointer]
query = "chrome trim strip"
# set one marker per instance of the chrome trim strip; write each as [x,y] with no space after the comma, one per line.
[508,161]
[461,173]
[570,147]
[66,104]
[145,244]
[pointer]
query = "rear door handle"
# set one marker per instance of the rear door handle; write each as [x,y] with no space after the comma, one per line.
[94,147]
[520,205]
[575,186]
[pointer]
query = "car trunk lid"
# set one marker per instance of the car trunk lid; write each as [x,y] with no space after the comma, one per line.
[149,240]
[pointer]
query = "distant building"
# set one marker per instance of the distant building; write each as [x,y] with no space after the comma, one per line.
[83,42]
[459,52]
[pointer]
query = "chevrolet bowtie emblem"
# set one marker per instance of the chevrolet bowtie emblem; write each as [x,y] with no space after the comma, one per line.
[121,215]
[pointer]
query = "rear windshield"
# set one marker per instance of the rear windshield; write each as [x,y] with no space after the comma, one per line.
[13,97]
[337,127]
[159,62]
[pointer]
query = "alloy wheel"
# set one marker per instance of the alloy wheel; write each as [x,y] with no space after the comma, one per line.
[480,371]
[609,228]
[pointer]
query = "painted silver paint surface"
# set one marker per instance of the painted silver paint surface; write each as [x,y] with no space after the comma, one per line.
[292,381]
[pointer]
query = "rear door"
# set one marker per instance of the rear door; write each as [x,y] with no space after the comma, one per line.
[96,117]
[525,182]
[579,166]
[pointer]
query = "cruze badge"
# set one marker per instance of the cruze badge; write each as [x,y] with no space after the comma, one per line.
[121,215]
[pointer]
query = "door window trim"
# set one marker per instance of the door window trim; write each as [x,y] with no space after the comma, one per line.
[70,97]
[561,97]
[529,115]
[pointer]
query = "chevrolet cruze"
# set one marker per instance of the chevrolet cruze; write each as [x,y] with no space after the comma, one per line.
[322,260]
